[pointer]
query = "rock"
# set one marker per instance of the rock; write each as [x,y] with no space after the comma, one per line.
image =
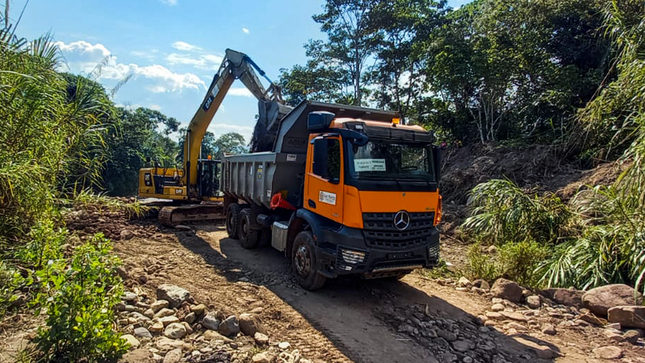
[464,282]
[482,284]
[129,296]
[175,331]
[263,357]
[157,358]
[462,289]
[214,335]
[167,320]
[463,345]
[164,344]
[249,325]
[600,299]
[175,295]
[164,312]
[514,316]
[190,318]
[492,249]
[497,307]
[541,351]
[548,329]
[261,338]
[159,304]
[130,339]
[174,356]
[608,352]
[507,289]
[142,332]
[189,329]
[210,321]
[516,326]
[229,327]
[284,345]
[149,313]
[533,301]
[122,273]
[591,319]
[126,234]
[156,328]
[628,316]
[198,309]
[493,315]
[632,336]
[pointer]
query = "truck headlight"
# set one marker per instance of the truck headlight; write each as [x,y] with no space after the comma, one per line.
[353,257]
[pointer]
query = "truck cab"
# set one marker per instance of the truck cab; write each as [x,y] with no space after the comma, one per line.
[360,197]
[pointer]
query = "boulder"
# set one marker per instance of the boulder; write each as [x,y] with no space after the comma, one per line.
[142,332]
[229,327]
[632,336]
[533,301]
[167,320]
[506,289]
[174,356]
[627,316]
[482,284]
[608,352]
[464,282]
[261,339]
[211,321]
[130,339]
[568,297]
[600,299]
[175,295]
[158,305]
[164,312]
[250,324]
[175,331]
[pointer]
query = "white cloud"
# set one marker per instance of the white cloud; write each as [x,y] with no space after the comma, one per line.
[84,48]
[179,45]
[155,107]
[204,61]
[244,92]
[169,2]
[245,30]
[221,128]
[83,58]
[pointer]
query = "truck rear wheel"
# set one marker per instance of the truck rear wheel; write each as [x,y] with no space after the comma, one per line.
[232,219]
[303,262]
[248,237]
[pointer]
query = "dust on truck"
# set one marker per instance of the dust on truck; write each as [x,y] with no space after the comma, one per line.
[344,190]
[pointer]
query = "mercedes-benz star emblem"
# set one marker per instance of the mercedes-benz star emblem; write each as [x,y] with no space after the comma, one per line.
[402,220]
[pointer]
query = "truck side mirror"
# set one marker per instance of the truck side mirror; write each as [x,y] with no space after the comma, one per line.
[319,120]
[436,154]
[320,158]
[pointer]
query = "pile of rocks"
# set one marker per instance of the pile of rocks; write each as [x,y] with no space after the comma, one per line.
[174,328]
[612,312]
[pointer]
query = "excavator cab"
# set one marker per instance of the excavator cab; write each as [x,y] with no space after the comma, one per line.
[208,171]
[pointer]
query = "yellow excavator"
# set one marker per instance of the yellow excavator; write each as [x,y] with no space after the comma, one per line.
[191,192]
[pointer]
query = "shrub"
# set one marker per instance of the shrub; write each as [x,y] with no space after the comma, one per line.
[79,298]
[517,261]
[502,212]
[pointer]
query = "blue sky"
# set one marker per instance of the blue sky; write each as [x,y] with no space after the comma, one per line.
[172,48]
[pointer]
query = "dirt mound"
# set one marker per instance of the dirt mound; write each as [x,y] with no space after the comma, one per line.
[535,166]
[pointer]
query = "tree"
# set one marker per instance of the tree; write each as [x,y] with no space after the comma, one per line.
[229,143]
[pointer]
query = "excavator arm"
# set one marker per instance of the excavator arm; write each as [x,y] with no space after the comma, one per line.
[236,65]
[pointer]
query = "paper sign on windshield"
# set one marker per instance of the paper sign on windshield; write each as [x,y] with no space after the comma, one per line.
[369,164]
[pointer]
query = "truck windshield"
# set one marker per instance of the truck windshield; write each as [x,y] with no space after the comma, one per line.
[386,160]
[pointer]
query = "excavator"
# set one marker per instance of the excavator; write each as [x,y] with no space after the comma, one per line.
[191,192]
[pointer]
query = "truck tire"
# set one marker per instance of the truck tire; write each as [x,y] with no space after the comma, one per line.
[303,262]
[232,219]
[248,237]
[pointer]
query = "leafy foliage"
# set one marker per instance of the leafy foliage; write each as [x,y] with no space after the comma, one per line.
[517,261]
[79,299]
[502,212]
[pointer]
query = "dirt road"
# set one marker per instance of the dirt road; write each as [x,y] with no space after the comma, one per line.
[413,320]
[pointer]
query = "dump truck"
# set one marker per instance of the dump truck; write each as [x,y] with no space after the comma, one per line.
[342,190]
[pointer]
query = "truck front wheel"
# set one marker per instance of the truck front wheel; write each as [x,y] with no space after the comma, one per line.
[248,237]
[303,262]
[232,219]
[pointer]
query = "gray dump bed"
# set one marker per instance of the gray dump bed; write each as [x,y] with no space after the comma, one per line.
[257,176]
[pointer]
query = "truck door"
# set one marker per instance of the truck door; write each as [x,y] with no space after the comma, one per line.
[323,182]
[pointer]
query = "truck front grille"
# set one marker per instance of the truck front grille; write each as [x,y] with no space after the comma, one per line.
[380,232]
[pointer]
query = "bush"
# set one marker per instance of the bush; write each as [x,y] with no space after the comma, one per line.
[79,299]
[502,212]
[517,261]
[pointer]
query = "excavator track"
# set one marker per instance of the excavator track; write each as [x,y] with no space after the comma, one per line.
[175,215]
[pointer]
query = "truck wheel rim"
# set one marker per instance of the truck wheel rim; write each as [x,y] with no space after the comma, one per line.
[303,261]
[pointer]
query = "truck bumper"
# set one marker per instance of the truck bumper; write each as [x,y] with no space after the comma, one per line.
[344,252]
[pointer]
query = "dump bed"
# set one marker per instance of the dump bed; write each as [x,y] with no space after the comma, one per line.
[256,177]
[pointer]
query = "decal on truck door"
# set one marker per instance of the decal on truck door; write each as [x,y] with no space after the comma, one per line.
[326,197]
